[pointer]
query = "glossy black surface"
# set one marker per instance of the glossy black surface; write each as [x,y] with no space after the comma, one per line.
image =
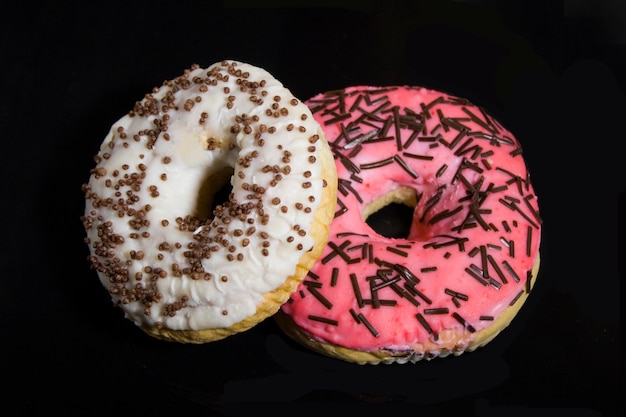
[553,72]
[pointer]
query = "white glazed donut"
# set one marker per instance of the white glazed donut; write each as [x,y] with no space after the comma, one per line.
[177,270]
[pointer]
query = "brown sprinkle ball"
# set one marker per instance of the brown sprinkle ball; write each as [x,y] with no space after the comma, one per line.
[145,239]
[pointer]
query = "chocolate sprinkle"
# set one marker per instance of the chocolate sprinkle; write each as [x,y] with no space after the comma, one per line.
[359,139]
[345,184]
[406,274]
[405,166]
[397,251]
[324,320]
[517,297]
[368,325]
[377,164]
[313,289]
[355,316]
[357,290]
[335,274]
[414,156]
[337,250]
[424,323]
[476,276]
[511,271]
[442,310]
[461,320]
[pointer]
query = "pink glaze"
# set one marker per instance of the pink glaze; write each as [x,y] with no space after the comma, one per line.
[476,227]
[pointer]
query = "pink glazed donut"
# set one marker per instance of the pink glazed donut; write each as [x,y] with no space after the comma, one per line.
[471,256]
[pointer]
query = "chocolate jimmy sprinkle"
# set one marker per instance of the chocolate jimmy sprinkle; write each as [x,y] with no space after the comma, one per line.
[405,166]
[360,139]
[347,185]
[335,275]
[441,310]
[529,276]
[511,271]
[408,294]
[459,241]
[365,321]
[371,115]
[415,156]
[357,290]
[337,118]
[475,151]
[313,275]
[406,274]
[496,268]
[456,294]
[444,214]
[398,133]
[477,119]
[342,208]
[471,271]
[517,297]
[355,316]
[345,134]
[339,250]
[424,323]
[318,295]
[461,320]
[410,140]
[323,320]
[532,210]
[397,251]
[377,164]
[415,293]
[360,246]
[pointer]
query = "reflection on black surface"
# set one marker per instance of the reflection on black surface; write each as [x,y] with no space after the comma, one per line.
[306,373]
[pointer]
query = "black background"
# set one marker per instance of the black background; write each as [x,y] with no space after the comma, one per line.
[552,71]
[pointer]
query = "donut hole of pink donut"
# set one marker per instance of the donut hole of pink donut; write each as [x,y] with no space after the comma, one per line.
[399,214]
[393,220]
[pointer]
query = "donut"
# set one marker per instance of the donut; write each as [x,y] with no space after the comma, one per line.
[470,258]
[180,262]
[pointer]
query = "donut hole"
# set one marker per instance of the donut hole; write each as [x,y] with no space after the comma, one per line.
[214,191]
[392,221]
[391,215]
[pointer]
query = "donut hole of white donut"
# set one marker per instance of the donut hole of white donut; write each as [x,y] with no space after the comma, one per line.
[214,191]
